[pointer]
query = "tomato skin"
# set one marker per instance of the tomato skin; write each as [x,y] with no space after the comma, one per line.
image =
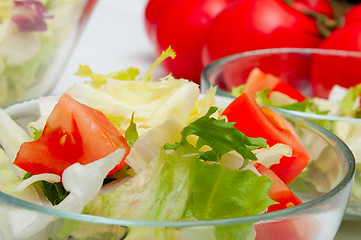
[183,27]
[353,15]
[74,133]
[256,121]
[258,81]
[326,71]
[288,90]
[154,10]
[318,6]
[279,191]
[261,24]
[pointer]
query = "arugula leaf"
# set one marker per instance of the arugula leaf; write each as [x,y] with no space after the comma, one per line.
[131,133]
[221,136]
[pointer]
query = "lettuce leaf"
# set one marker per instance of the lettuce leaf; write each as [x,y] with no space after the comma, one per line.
[157,193]
[348,102]
[178,185]
[223,138]
[217,192]
[100,79]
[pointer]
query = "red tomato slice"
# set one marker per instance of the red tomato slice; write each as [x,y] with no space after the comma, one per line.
[259,81]
[287,89]
[279,191]
[74,133]
[256,121]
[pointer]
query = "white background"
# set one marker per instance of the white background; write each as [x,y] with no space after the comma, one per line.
[115,39]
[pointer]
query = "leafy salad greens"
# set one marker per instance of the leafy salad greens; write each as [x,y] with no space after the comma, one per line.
[186,161]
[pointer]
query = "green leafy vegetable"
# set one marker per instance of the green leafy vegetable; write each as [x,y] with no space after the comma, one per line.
[128,74]
[100,79]
[169,52]
[217,192]
[131,133]
[347,103]
[222,138]
[304,106]
[54,192]
[236,91]
[37,133]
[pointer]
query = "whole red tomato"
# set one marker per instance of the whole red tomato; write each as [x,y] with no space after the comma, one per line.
[326,71]
[183,26]
[353,15]
[258,24]
[153,12]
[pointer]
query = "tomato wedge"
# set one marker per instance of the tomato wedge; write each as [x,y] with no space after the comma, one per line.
[74,133]
[288,90]
[256,121]
[279,191]
[259,81]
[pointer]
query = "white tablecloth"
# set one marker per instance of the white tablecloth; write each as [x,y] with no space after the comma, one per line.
[115,39]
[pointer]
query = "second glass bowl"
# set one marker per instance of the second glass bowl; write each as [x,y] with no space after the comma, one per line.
[313,72]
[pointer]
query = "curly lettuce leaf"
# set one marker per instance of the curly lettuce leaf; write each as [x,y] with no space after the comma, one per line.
[221,136]
[100,79]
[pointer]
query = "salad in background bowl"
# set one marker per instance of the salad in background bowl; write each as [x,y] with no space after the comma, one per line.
[126,157]
[36,40]
[317,84]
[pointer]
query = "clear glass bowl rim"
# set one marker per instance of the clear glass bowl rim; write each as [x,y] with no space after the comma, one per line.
[307,51]
[350,161]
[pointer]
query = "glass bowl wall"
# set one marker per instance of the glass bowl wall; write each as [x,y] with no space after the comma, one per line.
[325,192]
[313,72]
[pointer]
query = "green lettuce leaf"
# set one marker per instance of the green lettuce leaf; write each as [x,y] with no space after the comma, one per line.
[347,103]
[223,138]
[131,133]
[157,193]
[217,192]
[100,79]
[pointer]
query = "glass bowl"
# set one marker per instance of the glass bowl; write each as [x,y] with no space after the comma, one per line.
[313,72]
[319,217]
[37,38]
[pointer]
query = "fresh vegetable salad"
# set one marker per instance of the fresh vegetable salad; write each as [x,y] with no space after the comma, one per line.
[341,102]
[34,44]
[127,147]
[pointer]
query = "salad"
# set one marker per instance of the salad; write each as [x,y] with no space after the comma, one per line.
[125,147]
[34,43]
[336,113]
